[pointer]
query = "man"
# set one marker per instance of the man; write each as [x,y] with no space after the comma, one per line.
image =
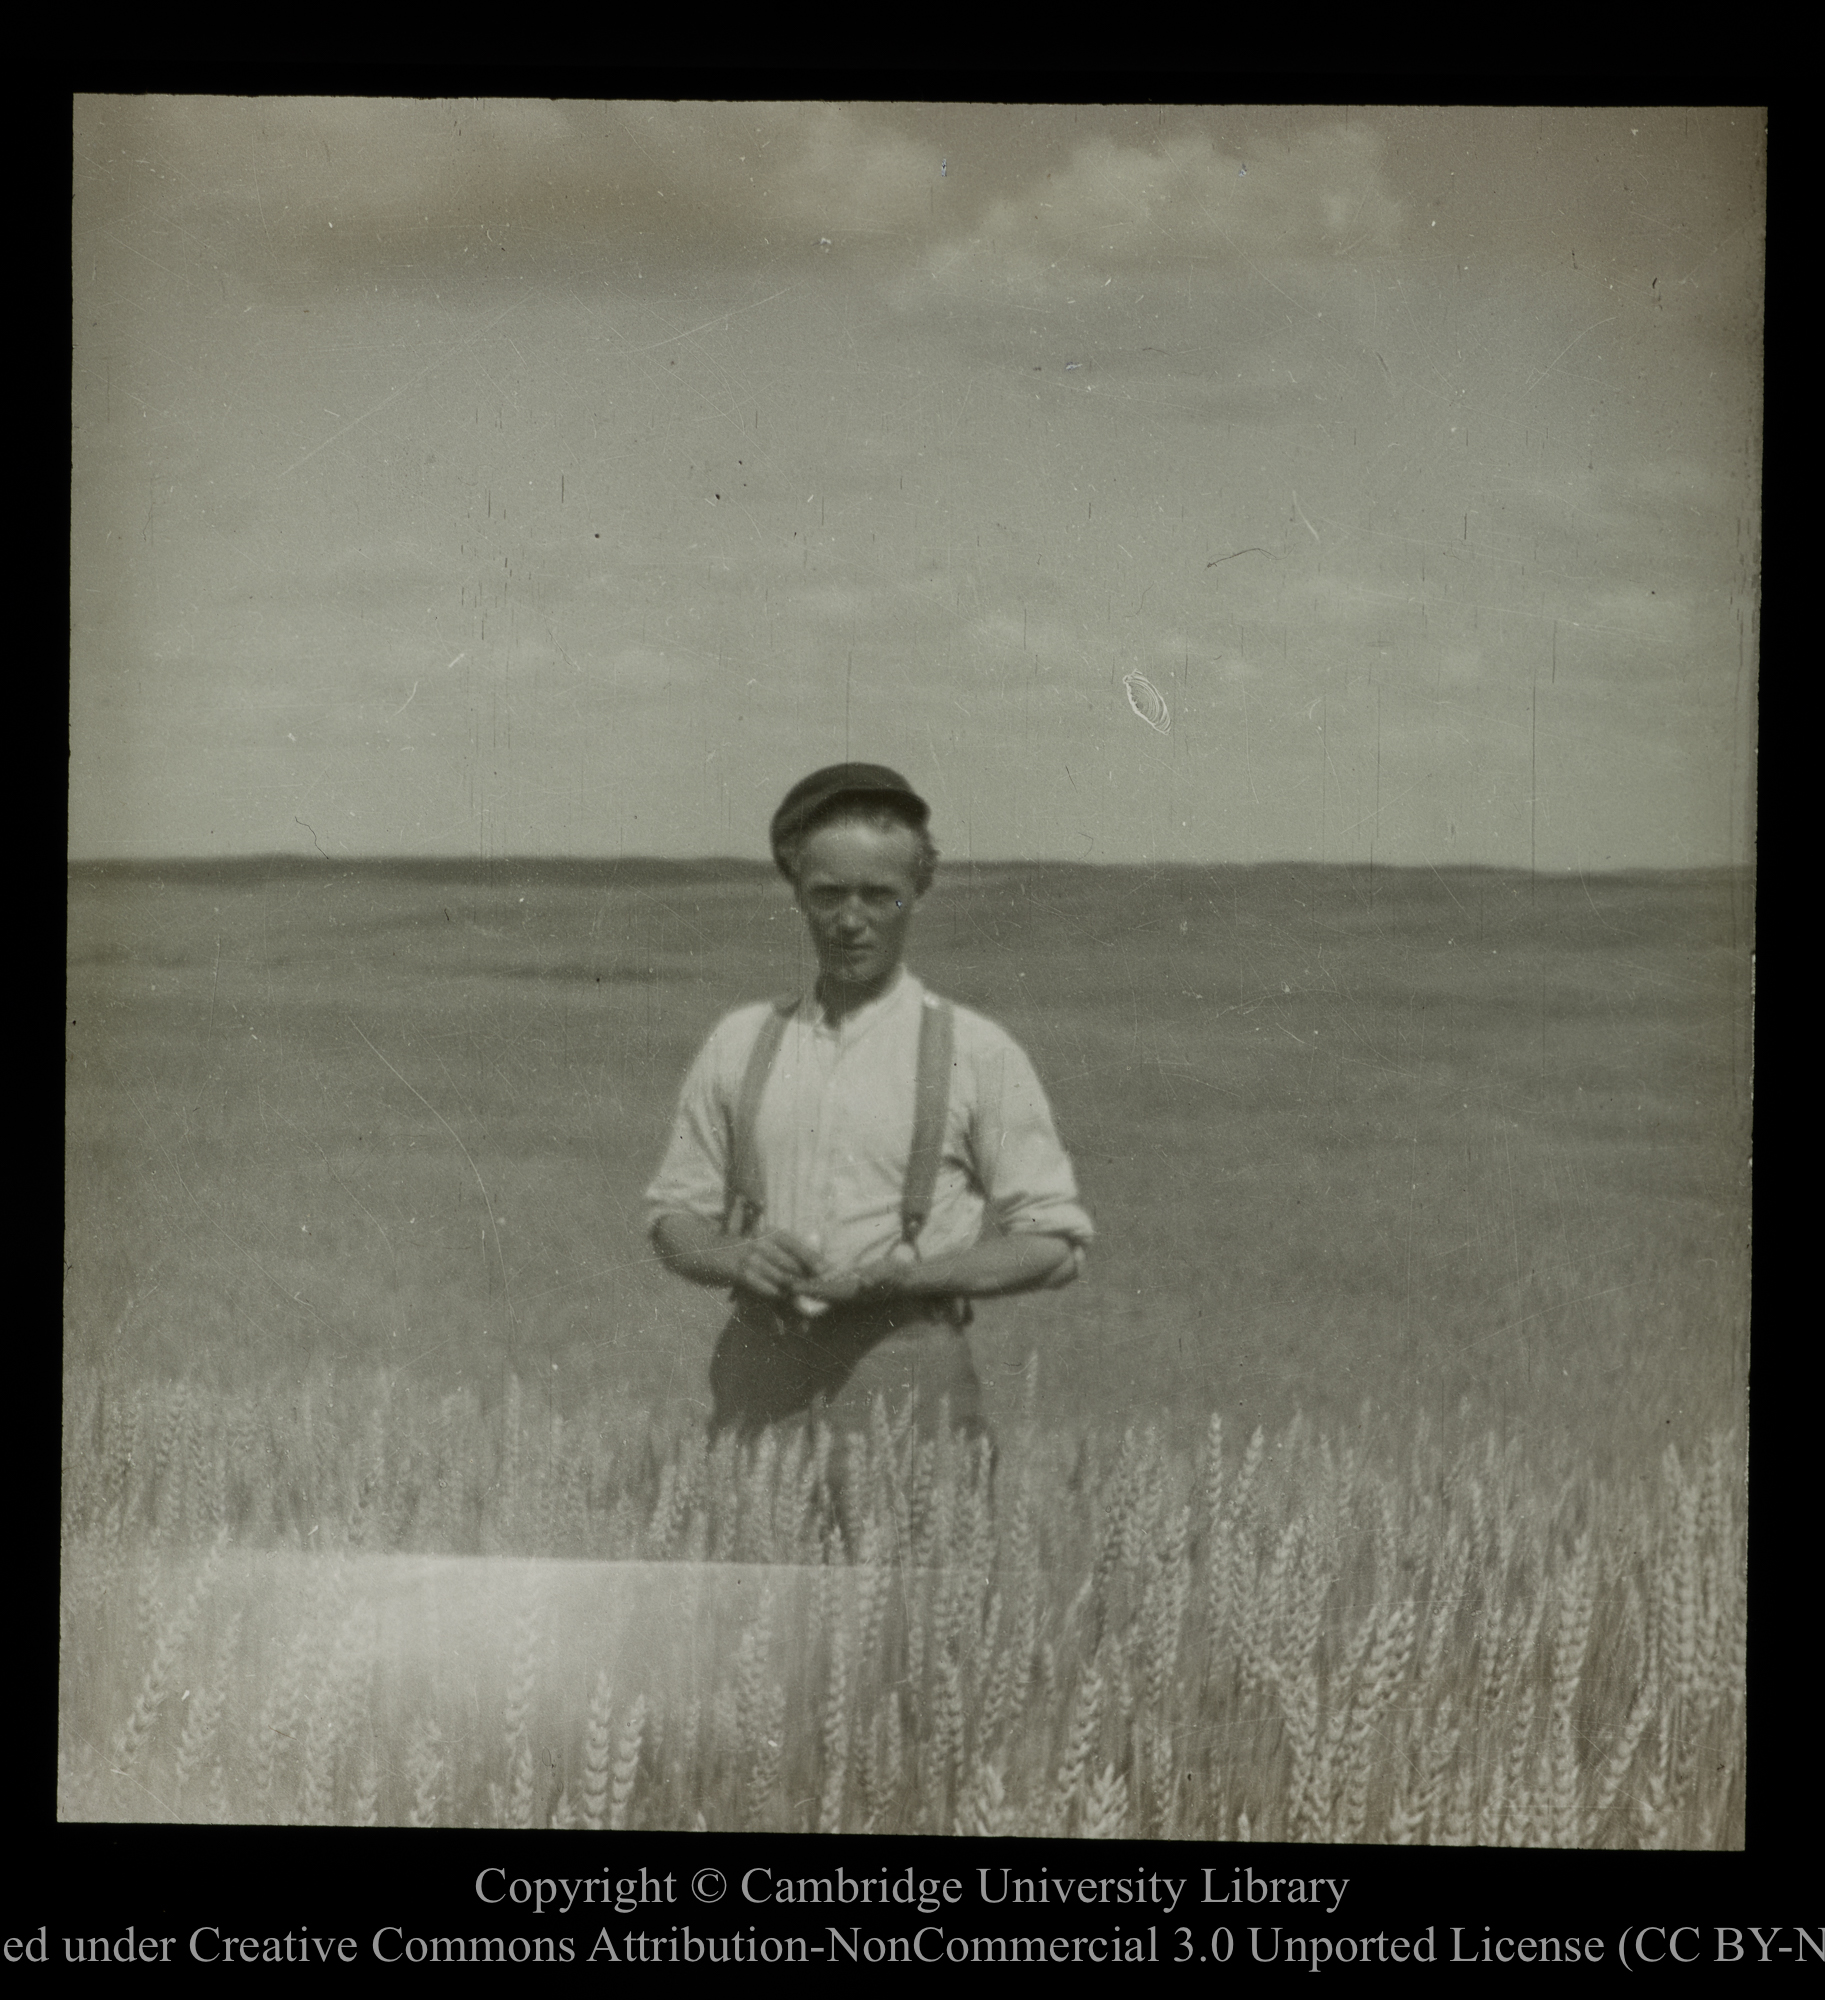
[853,1201]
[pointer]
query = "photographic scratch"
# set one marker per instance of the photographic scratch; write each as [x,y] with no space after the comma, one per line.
[1539,375]
[1310,530]
[1565,1305]
[721,319]
[487,1201]
[1147,702]
[413,696]
[375,409]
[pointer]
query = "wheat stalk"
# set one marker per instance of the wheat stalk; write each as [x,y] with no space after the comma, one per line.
[1575,1604]
[334,1704]
[1387,1667]
[986,1811]
[596,1741]
[1164,1607]
[1086,1713]
[1106,1806]
[1654,1806]
[426,1772]
[947,1740]
[1515,1786]
[520,1811]
[1347,1693]
[1493,1804]
[366,1808]
[1297,1686]
[1217,1557]
[205,1713]
[521,1674]
[1445,1598]
[627,1763]
[760,1713]
[954,1693]
[1460,1816]
[836,1730]
[156,1682]
[1616,1767]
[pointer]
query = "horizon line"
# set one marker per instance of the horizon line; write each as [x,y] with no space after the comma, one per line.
[455,863]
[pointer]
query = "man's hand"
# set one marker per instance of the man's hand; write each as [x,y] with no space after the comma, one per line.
[771,1265]
[775,1264]
[992,1268]
[778,1266]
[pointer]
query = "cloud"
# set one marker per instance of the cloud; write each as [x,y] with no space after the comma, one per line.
[841,173]
[358,186]
[355,187]
[1118,209]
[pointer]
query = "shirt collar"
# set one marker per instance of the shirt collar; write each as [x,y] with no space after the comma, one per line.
[905,991]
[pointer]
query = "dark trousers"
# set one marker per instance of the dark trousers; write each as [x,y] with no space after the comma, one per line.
[772,1366]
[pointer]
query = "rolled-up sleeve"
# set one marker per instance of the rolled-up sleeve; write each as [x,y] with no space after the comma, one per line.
[693,1176]
[1025,1174]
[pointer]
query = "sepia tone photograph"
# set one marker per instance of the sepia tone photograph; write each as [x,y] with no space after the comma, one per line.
[909,979]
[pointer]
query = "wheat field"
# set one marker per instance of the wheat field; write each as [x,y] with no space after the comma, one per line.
[364,1603]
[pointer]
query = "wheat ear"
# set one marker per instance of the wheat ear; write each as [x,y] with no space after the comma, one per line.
[596,1742]
[627,1763]
[836,1728]
[1106,1806]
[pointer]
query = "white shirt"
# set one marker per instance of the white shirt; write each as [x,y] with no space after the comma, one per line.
[834,1133]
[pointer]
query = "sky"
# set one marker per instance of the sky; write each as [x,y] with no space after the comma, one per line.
[506,479]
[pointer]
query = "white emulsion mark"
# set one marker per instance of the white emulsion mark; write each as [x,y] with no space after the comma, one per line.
[1147,702]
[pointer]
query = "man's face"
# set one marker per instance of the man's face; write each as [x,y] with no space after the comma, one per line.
[855,886]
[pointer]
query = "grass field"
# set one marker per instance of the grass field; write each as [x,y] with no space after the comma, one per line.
[1104,1639]
[1422,1175]
[1461,1146]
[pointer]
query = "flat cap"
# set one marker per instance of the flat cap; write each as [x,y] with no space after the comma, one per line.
[810,796]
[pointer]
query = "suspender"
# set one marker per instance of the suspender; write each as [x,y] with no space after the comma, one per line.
[747,1187]
[931,1102]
